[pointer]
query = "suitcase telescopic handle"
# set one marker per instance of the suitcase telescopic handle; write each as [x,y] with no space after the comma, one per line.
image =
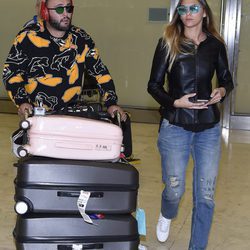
[118,117]
[76,194]
[26,114]
[80,246]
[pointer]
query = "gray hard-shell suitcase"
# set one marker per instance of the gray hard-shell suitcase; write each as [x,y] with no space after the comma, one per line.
[64,232]
[46,185]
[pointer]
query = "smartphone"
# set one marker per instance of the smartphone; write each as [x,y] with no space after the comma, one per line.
[202,101]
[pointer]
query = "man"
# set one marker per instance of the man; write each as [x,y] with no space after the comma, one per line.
[47,61]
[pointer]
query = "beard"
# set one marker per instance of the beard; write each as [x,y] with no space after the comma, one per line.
[58,25]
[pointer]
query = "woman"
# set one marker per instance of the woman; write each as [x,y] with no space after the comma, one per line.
[189,54]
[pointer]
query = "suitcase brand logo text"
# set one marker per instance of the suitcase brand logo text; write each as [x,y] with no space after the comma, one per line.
[103,147]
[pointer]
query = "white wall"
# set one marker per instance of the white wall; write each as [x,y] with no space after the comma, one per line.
[121,30]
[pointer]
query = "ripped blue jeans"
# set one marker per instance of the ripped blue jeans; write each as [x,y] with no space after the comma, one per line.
[176,145]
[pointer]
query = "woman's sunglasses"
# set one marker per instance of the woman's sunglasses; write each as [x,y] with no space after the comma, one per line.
[192,9]
[59,10]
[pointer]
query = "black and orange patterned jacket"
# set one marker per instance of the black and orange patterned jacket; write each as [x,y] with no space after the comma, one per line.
[40,65]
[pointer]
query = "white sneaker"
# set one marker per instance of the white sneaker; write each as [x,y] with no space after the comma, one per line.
[142,247]
[162,228]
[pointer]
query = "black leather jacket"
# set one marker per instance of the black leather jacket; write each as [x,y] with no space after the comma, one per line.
[190,73]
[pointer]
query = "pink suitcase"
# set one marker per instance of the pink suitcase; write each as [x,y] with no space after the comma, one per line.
[70,137]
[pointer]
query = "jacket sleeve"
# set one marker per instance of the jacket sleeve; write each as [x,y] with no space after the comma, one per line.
[157,76]
[14,71]
[96,68]
[222,71]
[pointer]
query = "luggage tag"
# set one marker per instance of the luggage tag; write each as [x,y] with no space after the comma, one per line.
[39,111]
[77,247]
[141,220]
[82,203]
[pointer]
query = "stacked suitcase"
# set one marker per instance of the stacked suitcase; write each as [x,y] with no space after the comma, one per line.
[47,192]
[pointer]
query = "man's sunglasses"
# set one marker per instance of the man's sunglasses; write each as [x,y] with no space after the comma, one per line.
[59,10]
[192,9]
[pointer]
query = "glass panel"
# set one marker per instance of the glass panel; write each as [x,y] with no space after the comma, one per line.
[242,100]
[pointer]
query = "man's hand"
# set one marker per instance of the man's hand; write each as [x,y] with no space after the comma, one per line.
[112,109]
[24,109]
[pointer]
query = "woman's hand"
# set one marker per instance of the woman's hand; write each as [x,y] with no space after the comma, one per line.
[217,95]
[184,102]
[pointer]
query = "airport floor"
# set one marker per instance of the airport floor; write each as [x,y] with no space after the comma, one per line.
[231,225]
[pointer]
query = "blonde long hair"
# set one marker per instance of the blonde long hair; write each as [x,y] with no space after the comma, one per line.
[174,32]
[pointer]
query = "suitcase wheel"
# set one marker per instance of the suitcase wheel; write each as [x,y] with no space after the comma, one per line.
[21,207]
[22,152]
[25,124]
